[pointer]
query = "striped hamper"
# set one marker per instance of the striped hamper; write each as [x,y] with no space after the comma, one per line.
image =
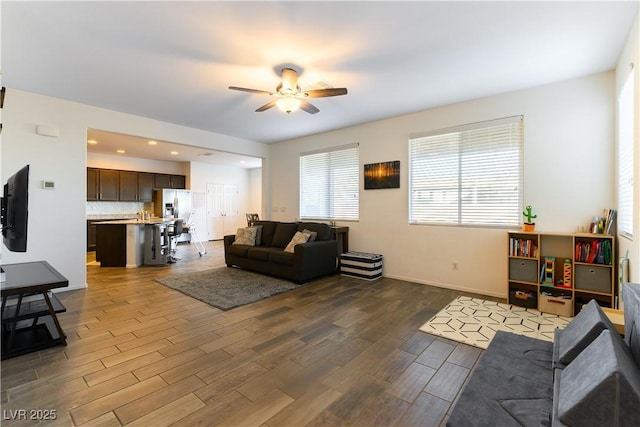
[361,265]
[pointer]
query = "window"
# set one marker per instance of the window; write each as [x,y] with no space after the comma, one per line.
[329,184]
[468,175]
[625,158]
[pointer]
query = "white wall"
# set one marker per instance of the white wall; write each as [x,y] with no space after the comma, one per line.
[57,217]
[631,54]
[202,173]
[568,178]
[255,191]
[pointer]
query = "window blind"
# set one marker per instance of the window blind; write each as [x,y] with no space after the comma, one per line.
[468,175]
[625,158]
[329,184]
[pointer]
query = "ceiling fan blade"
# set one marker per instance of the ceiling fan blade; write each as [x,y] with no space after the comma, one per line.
[321,93]
[308,107]
[266,107]
[244,89]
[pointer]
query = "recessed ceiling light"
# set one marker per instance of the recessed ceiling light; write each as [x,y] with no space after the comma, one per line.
[174,153]
[121,151]
[153,142]
[242,161]
[92,141]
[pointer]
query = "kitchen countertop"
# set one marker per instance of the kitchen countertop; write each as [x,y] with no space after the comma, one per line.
[109,217]
[136,221]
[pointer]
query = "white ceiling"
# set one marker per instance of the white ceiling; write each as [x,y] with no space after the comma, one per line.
[119,144]
[173,61]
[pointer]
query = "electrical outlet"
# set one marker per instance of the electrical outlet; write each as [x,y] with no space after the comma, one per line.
[454,265]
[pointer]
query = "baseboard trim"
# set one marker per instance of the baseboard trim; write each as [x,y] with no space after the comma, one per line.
[446,286]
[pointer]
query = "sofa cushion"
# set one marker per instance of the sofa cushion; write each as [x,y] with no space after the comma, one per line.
[260,253]
[246,236]
[268,229]
[601,386]
[582,330]
[631,297]
[323,230]
[511,385]
[238,250]
[283,234]
[281,257]
[297,239]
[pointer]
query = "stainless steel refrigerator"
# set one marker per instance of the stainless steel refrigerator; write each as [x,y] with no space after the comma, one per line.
[170,203]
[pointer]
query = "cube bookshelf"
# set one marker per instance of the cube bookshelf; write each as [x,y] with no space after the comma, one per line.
[558,273]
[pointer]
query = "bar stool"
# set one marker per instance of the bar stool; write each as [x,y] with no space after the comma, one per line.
[175,231]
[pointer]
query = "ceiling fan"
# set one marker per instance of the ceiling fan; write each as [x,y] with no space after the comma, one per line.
[290,96]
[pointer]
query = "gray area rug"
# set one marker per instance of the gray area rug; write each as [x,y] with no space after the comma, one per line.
[226,288]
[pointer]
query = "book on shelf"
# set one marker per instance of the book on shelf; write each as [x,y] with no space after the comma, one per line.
[595,251]
[609,220]
[523,247]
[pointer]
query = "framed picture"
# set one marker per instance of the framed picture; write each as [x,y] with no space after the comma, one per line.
[382,175]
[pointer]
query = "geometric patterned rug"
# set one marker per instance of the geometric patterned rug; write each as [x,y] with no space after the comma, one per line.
[475,321]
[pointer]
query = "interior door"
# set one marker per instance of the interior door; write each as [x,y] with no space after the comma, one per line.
[230,209]
[215,211]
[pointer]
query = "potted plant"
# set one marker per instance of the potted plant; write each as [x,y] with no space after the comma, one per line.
[529,225]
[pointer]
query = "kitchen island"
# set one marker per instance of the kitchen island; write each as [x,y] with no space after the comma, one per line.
[121,243]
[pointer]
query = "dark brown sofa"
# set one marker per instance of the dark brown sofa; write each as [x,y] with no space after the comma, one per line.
[308,261]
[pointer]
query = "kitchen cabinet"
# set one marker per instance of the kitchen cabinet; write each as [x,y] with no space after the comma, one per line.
[179,182]
[128,186]
[108,185]
[111,244]
[92,184]
[163,180]
[145,186]
[91,235]
[103,184]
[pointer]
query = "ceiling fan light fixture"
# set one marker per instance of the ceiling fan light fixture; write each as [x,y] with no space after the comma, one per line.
[289,95]
[288,104]
[289,83]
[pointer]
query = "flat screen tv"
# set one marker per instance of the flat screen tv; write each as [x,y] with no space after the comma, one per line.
[14,210]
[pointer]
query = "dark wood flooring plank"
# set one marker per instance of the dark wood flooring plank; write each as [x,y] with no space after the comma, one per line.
[412,382]
[447,382]
[427,411]
[464,355]
[435,355]
[335,352]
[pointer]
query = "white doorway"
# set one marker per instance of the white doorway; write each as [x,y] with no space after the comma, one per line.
[222,210]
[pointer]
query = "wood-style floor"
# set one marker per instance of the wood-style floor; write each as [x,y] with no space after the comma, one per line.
[336,352]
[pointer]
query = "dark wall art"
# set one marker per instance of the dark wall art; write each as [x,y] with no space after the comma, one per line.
[382,175]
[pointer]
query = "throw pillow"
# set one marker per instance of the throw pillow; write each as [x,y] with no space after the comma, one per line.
[258,234]
[246,236]
[268,231]
[312,234]
[298,238]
